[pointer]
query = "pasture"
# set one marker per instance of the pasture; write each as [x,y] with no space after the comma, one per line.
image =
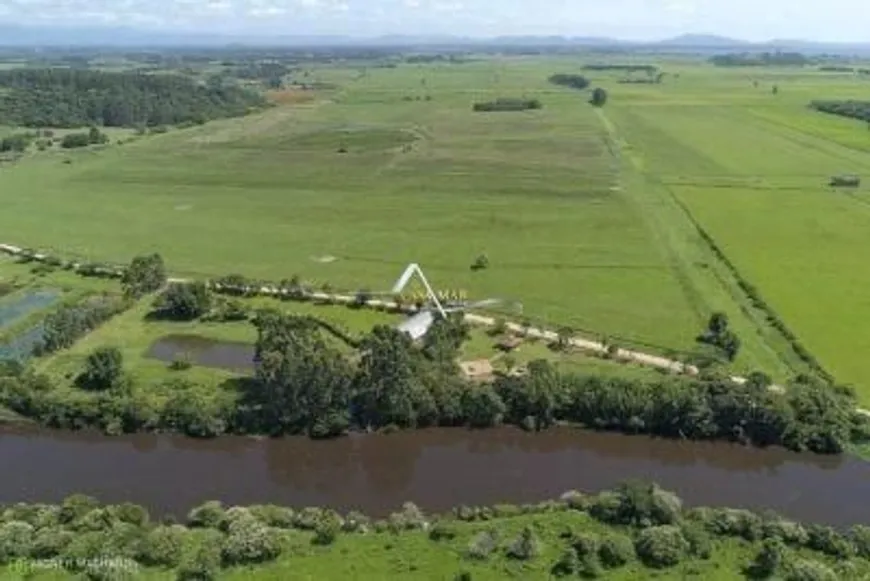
[589,217]
[425,181]
[751,168]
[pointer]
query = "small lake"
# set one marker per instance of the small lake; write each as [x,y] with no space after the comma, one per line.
[21,346]
[437,469]
[14,309]
[204,351]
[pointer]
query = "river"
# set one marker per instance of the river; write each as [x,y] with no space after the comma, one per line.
[437,469]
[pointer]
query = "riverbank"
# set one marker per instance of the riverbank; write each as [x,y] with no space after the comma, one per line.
[629,532]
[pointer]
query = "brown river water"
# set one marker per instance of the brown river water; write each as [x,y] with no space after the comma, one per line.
[437,469]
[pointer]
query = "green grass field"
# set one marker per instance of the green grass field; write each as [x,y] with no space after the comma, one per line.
[588,217]
[752,169]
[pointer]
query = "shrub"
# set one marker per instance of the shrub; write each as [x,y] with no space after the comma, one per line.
[480,263]
[616,551]
[507,104]
[248,541]
[860,536]
[327,528]
[483,544]
[16,539]
[104,369]
[829,541]
[568,564]
[585,543]
[181,362]
[790,532]
[273,516]
[50,542]
[98,519]
[201,565]
[356,521]
[805,570]
[116,569]
[75,140]
[207,515]
[76,506]
[307,518]
[410,517]
[525,547]
[768,560]
[442,530]
[131,513]
[185,301]
[696,536]
[163,546]
[661,546]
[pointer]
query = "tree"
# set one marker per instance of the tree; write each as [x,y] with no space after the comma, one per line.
[304,383]
[389,385]
[185,300]
[615,551]
[718,323]
[145,274]
[75,140]
[599,97]
[768,560]
[104,369]
[525,547]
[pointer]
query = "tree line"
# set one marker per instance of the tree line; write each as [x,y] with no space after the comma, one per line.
[649,69]
[74,98]
[305,383]
[852,109]
[636,524]
[763,59]
[569,80]
[507,104]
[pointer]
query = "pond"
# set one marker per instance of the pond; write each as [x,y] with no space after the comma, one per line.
[21,346]
[437,469]
[14,309]
[203,351]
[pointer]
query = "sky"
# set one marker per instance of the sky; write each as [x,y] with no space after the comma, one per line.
[757,20]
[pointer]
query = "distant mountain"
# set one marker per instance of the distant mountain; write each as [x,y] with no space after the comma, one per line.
[703,41]
[47,36]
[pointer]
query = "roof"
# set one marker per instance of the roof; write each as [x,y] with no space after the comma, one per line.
[417,325]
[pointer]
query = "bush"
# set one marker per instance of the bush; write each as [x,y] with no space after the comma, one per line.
[410,517]
[185,301]
[273,516]
[130,513]
[616,551]
[207,515]
[202,565]
[567,565]
[163,546]
[585,543]
[661,546]
[75,140]
[116,569]
[789,532]
[525,547]
[696,536]
[145,274]
[248,541]
[16,540]
[50,542]
[356,522]
[482,545]
[860,536]
[829,541]
[480,263]
[768,560]
[181,362]
[805,570]
[75,507]
[442,531]
[104,369]
[327,528]
[307,518]
[566,80]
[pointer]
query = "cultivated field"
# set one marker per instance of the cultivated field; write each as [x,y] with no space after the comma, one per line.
[589,218]
[752,169]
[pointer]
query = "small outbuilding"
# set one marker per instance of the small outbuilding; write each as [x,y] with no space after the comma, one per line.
[509,344]
[845,181]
